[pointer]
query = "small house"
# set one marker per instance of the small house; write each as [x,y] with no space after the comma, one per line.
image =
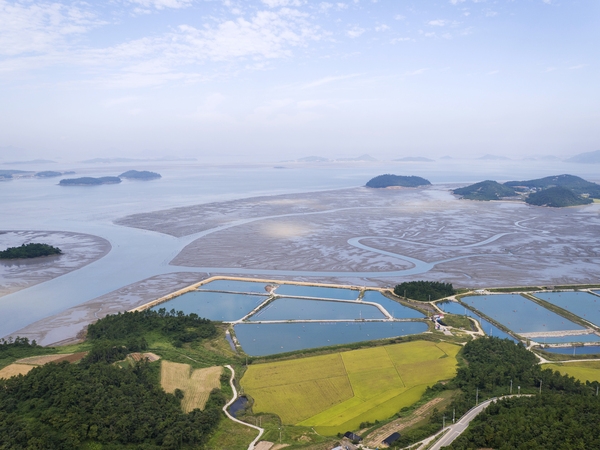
[391,438]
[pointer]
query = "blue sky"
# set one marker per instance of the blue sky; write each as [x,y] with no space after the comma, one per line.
[280,79]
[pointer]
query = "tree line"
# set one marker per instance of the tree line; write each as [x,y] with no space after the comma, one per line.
[31,250]
[424,290]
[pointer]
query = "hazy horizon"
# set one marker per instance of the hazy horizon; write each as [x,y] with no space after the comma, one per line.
[276,80]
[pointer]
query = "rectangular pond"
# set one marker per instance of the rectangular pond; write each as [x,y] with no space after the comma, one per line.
[582,338]
[214,305]
[519,314]
[585,350]
[295,290]
[289,308]
[487,327]
[397,310]
[582,304]
[267,339]
[235,286]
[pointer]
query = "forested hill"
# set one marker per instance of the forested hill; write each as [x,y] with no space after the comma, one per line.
[389,180]
[576,184]
[485,190]
[140,175]
[424,290]
[89,181]
[557,197]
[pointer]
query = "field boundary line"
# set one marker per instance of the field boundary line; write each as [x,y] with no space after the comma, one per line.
[347,375]
[230,402]
[395,366]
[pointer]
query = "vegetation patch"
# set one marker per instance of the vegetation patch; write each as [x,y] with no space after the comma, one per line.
[557,197]
[485,190]
[337,392]
[583,371]
[194,385]
[15,369]
[424,291]
[31,250]
[389,180]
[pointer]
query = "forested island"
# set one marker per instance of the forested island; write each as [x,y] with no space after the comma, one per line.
[424,290]
[485,190]
[554,191]
[31,250]
[140,175]
[89,181]
[389,180]
[48,174]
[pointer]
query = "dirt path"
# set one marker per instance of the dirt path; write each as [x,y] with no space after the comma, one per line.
[376,438]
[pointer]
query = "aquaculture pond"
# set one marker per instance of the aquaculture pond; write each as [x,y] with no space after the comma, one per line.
[397,310]
[576,350]
[582,304]
[294,290]
[487,327]
[289,308]
[519,314]
[214,305]
[566,339]
[267,339]
[235,286]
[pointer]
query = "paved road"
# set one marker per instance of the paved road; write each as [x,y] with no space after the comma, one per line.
[455,430]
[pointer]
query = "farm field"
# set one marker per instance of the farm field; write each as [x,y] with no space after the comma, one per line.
[15,369]
[584,370]
[335,393]
[195,385]
[24,365]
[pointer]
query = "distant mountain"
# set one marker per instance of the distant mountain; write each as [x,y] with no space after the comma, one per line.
[360,158]
[110,160]
[89,181]
[586,158]
[557,197]
[576,184]
[494,158]
[7,174]
[389,180]
[32,161]
[446,157]
[140,175]
[485,190]
[313,159]
[415,159]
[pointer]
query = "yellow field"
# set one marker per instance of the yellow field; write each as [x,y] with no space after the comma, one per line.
[196,385]
[40,360]
[15,369]
[335,393]
[584,370]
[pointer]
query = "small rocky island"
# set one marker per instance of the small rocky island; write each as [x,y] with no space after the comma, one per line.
[89,181]
[556,191]
[140,175]
[389,180]
[32,250]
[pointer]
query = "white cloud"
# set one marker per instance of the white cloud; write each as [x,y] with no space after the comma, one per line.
[162,4]
[399,17]
[403,39]
[279,3]
[382,27]
[578,66]
[438,23]
[328,80]
[456,2]
[417,72]
[355,32]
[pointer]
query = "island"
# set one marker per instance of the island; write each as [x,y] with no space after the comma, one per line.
[32,250]
[389,180]
[140,175]
[89,181]
[48,174]
[414,159]
[557,197]
[572,182]
[485,190]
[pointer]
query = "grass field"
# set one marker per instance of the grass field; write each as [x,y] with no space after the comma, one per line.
[195,385]
[584,370]
[15,369]
[335,393]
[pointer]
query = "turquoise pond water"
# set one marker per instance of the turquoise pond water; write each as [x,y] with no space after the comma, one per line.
[397,310]
[214,305]
[235,286]
[586,350]
[267,339]
[519,314]
[582,304]
[566,339]
[487,327]
[289,308]
[317,292]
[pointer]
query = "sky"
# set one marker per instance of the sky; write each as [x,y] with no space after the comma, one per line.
[284,79]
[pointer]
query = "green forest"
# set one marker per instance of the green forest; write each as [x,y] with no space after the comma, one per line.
[485,190]
[424,290]
[388,180]
[31,250]
[96,404]
[557,197]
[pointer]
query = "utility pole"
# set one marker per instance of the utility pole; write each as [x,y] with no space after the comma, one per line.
[510,387]
[444,422]
[596,390]
[477,397]
[540,386]
[519,387]
[453,414]
[404,294]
